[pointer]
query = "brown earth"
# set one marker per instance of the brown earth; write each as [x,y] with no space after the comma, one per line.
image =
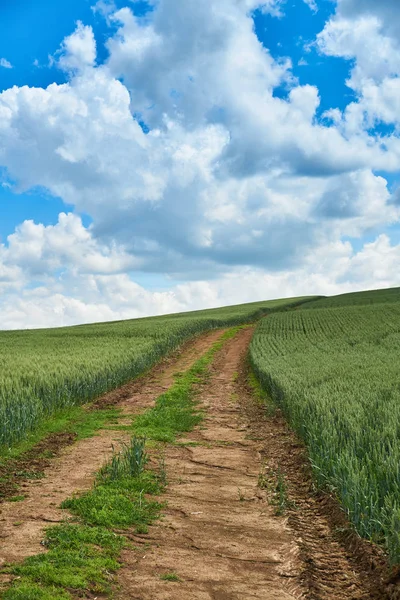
[218,535]
[22,523]
[31,465]
[221,536]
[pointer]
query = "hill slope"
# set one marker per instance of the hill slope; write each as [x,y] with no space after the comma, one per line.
[48,370]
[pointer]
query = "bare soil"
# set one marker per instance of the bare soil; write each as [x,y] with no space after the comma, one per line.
[218,536]
[15,471]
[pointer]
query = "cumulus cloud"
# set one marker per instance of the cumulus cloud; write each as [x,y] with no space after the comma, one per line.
[5,63]
[39,250]
[78,50]
[388,12]
[367,34]
[190,164]
[79,297]
[312,4]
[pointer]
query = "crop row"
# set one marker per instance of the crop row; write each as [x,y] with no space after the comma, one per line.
[335,374]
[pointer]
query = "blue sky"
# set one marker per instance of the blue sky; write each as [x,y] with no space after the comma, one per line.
[293,36]
[255,169]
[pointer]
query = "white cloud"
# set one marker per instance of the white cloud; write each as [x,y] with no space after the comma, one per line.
[312,4]
[367,33]
[232,184]
[104,8]
[38,250]
[79,297]
[78,50]
[302,63]
[5,63]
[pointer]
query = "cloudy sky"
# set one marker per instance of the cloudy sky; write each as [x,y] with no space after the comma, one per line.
[174,154]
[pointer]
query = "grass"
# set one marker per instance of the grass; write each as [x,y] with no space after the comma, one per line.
[260,394]
[15,465]
[281,495]
[83,556]
[47,373]
[78,420]
[170,577]
[176,412]
[120,503]
[78,558]
[274,483]
[334,373]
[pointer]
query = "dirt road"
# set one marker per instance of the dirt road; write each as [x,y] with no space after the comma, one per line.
[221,537]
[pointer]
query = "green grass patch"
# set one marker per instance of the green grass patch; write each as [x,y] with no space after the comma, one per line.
[260,394]
[119,497]
[121,503]
[32,591]
[176,411]
[27,460]
[170,577]
[84,556]
[79,558]
[79,420]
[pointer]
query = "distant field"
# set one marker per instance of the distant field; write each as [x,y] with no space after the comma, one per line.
[357,299]
[333,367]
[44,371]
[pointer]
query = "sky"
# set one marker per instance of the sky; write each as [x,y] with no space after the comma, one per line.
[173,155]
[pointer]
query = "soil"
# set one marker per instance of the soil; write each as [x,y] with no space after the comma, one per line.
[221,537]
[218,535]
[32,464]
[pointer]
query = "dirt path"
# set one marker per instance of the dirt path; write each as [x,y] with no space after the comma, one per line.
[220,535]
[22,523]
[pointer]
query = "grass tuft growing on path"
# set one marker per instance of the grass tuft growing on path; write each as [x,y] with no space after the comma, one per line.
[176,411]
[84,555]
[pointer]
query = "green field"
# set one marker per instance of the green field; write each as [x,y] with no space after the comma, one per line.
[357,299]
[49,370]
[333,368]
[331,364]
